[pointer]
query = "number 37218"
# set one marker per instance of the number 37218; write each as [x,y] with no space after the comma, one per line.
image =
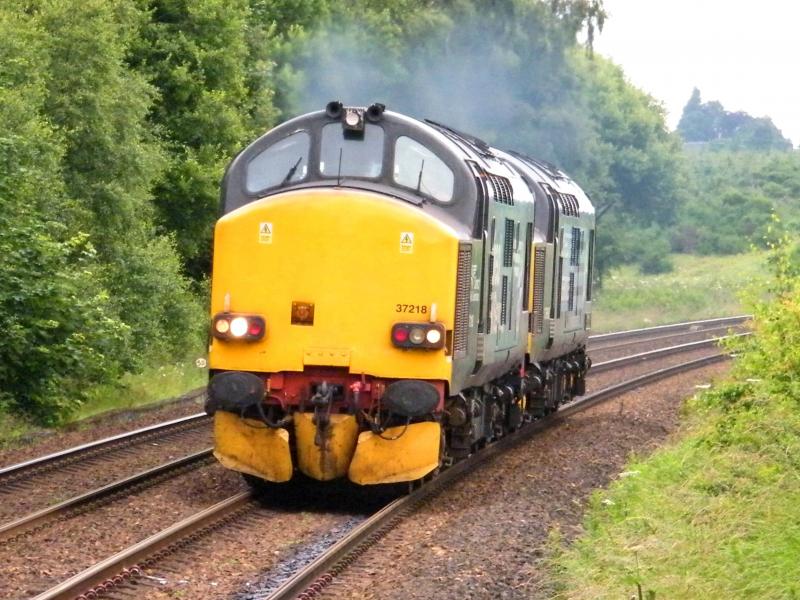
[411,308]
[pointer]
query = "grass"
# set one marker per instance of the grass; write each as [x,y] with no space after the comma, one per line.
[699,287]
[712,515]
[152,385]
[131,391]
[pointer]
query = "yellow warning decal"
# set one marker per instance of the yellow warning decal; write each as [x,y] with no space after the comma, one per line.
[406,242]
[265,233]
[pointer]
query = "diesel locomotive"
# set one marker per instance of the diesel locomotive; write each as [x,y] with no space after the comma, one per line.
[389,295]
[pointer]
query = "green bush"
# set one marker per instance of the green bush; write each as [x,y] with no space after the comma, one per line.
[59,333]
[714,513]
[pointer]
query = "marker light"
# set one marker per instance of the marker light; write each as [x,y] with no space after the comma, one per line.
[227,326]
[255,328]
[417,335]
[429,336]
[400,335]
[238,327]
[433,336]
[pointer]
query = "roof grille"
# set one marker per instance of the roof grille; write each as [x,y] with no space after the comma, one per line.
[568,204]
[501,189]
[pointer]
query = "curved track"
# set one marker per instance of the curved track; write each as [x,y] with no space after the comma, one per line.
[310,580]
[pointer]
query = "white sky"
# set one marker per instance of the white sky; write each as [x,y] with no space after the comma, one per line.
[743,53]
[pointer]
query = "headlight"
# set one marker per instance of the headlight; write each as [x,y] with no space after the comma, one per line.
[238,326]
[227,326]
[433,336]
[428,336]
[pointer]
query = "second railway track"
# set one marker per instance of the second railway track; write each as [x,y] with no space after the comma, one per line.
[129,564]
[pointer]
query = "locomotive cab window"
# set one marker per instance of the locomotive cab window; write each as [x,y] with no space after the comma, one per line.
[282,163]
[416,167]
[360,157]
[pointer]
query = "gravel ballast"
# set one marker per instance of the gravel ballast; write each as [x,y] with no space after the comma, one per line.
[487,535]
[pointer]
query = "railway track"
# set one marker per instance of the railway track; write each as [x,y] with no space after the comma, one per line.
[70,456]
[605,340]
[39,520]
[310,580]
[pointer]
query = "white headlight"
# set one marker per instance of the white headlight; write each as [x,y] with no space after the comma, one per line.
[433,336]
[238,327]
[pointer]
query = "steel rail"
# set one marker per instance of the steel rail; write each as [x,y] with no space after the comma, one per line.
[14,472]
[660,338]
[311,580]
[660,352]
[41,519]
[105,575]
[646,331]
[130,562]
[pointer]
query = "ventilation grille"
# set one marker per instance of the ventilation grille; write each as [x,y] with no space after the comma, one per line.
[501,189]
[575,250]
[463,286]
[526,303]
[504,302]
[571,300]
[508,244]
[568,204]
[538,290]
[489,297]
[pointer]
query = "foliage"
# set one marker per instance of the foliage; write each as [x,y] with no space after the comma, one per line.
[640,165]
[732,198]
[60,332]
[714,513]
[207,60]
[709,122]
[697,288]
[85,277]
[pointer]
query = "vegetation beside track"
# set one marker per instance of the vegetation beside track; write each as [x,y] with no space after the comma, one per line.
[699,287]
[132,390]
[713,514]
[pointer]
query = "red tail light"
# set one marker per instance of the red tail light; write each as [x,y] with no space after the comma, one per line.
[418,335]
[231,326]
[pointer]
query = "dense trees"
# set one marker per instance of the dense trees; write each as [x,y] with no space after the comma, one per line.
[87,288]
[117,118]
[709,122]
[732,196]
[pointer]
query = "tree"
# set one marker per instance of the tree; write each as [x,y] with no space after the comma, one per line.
[206,59]
[60,332]
[710,122]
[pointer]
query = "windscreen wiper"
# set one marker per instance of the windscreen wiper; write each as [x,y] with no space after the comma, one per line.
[292,171]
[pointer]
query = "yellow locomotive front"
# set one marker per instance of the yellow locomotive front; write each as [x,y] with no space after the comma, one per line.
[332,311]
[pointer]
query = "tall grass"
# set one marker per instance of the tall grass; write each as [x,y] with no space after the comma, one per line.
[715,513]
[147,387]
[699,287]
[130,391]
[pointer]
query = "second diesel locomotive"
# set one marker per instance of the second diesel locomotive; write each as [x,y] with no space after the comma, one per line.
[388,295]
